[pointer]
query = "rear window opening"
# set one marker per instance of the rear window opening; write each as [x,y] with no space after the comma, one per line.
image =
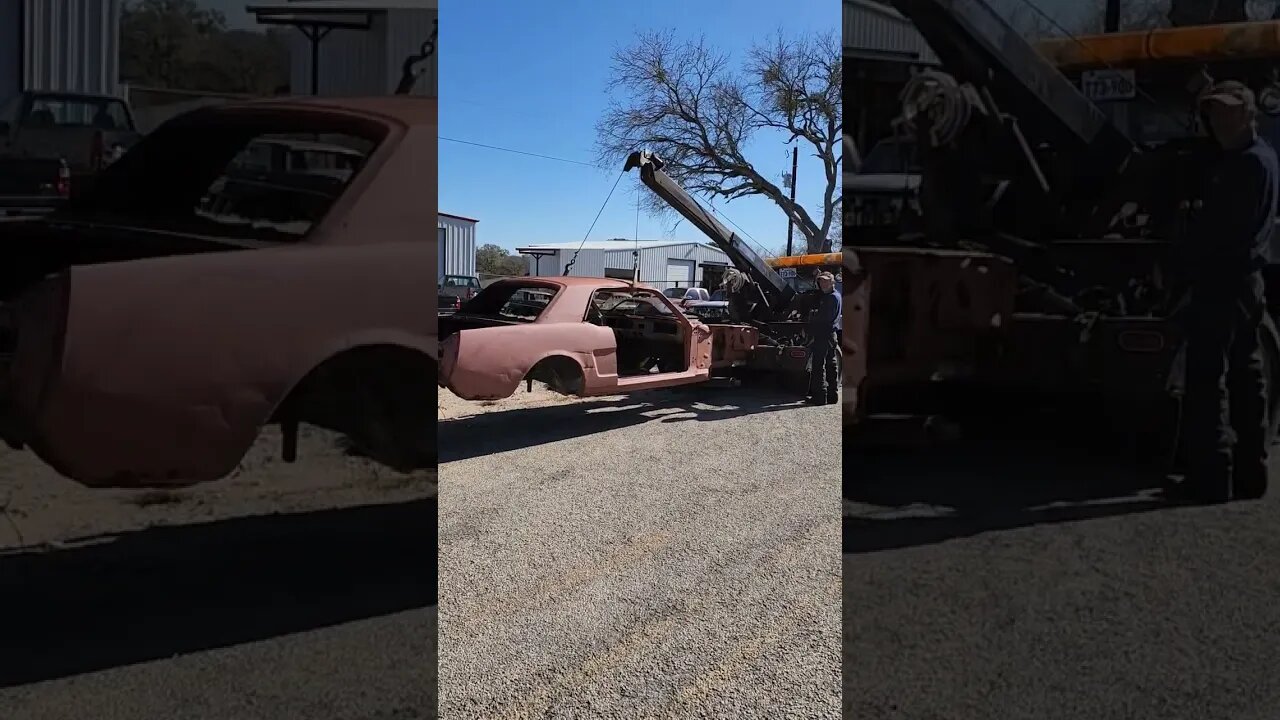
[76,112]
[518,303]
[460,281]
[263,179]
[282,184]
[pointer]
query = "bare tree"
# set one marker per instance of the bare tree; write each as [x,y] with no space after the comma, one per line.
[1134,15]
[686,102]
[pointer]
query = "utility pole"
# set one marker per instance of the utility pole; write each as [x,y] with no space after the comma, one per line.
[1113,16]
[790,222]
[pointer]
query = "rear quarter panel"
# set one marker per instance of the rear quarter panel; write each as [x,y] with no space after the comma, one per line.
[490,362]
[171,366]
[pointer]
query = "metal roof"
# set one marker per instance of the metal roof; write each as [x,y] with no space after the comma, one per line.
[457,217]
[346,5]
[873,30]
[611,245]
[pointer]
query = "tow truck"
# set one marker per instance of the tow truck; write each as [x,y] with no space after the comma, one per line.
[601,336]
[1043,276]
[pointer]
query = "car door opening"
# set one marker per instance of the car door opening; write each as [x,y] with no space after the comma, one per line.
[650,339]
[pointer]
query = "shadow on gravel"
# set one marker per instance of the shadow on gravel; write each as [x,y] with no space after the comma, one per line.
[161,592]
[925,497]
[494,432]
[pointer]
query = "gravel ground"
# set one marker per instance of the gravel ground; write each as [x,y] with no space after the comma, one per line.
[284,591]
[1054,587]
[664,555]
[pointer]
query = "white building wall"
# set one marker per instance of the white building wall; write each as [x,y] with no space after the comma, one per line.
[69,45]
[590,263]
[352,62]
[653,261]
[546,264]
[10,49]
[367,62]
[458,239]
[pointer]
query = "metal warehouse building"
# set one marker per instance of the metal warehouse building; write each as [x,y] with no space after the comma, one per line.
[662,263]
[359,46]
[456,251]
[71,45]
[881,50]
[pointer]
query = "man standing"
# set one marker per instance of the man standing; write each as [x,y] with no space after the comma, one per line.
[824,378]
[1226,254]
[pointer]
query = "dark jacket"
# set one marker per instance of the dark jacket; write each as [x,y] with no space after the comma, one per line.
[826,316]
[1232,236]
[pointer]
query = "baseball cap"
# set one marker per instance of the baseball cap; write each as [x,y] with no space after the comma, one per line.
[1230,92]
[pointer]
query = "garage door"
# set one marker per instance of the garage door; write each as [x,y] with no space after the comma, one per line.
[680,273]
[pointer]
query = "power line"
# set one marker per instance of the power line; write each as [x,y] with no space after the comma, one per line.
[520,152]
[591,165]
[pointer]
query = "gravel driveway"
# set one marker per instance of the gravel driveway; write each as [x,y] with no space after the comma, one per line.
[664,555]
[1054,586]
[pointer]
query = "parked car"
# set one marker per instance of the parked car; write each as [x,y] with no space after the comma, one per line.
[155,324]
[51,140]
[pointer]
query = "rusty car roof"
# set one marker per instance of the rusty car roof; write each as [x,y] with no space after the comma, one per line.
[408,109]
[571,281]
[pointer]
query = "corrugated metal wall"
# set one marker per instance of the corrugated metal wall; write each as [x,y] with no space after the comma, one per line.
[590,263]
[71,45]
[459,245]
[653,261]
[352,62]
[874,28]
[366,62]
[10,49]
[549,264]
[406,31]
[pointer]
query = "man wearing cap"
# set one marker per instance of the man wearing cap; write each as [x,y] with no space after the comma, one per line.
[1226,252]
[824,377]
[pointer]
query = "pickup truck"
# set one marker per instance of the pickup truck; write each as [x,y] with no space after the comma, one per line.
[154,324]
[50,140]
[455,290]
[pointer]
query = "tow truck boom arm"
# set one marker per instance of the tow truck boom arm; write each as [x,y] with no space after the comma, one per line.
[776,292]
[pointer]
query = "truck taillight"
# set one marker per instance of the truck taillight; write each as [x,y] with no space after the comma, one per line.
[64,179]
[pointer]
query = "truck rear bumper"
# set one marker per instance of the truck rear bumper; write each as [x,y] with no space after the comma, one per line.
[27,205]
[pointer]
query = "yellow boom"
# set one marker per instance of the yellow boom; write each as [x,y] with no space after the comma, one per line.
[1205,43]
[798,261]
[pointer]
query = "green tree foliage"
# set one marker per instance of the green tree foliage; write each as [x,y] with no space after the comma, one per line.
[179,45]
[494,260]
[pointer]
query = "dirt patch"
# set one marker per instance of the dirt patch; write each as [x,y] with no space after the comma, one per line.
[451,406]
[42,507]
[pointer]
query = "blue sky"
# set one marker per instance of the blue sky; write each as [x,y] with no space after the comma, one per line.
[532,76]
